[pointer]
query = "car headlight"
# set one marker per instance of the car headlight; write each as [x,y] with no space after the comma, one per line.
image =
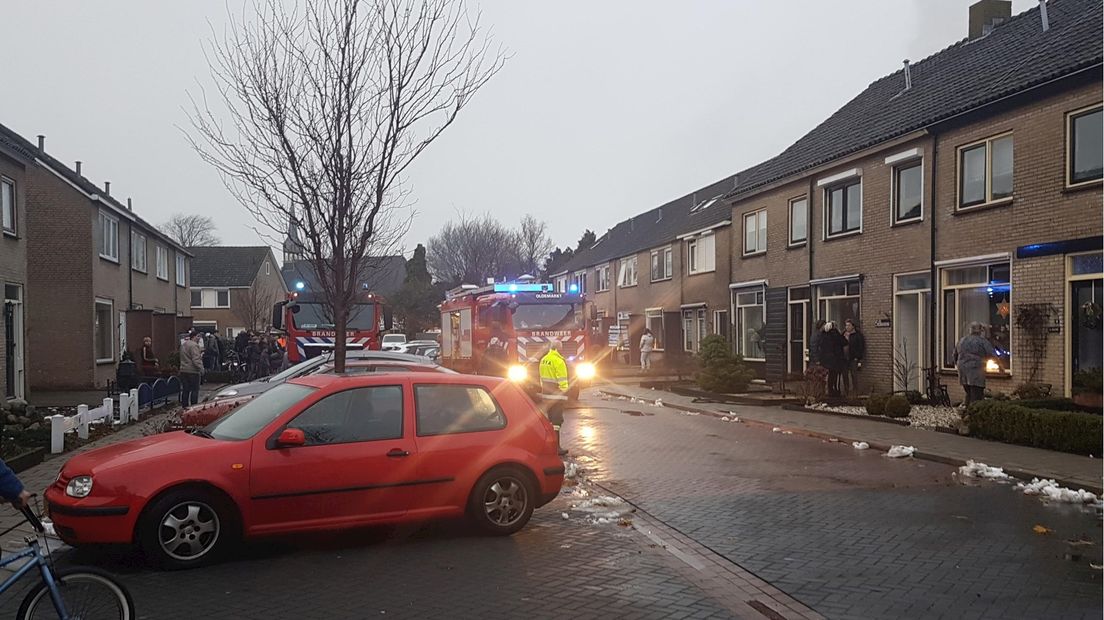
[517,373]
[79,486]
[585,371]
[226,393]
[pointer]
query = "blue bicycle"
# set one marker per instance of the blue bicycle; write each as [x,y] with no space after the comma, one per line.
[71,594]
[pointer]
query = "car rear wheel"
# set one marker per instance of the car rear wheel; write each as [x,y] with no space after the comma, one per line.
[502,501]
[185,528]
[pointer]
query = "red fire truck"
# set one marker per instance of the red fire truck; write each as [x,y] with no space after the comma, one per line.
[504,329]
[303,317]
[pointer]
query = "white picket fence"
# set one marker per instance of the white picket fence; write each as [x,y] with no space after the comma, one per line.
[60,424]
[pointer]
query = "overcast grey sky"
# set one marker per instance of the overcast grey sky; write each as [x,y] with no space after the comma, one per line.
[605,109]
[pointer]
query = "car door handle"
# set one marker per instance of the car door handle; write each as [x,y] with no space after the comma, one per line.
[397,453]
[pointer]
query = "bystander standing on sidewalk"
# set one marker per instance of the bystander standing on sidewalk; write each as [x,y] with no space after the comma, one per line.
[970,356]
[856,351]
[191,367]
[647,345]
[833,357]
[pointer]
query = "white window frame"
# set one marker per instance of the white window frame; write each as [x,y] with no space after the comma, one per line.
[579,278]
[560,284]
[9,217]
[109,237]
[100,301]
[207,323]
[793,243]
[696,259]
[654,313]
[162,259]
[194,291]
[181,270]
[602,279]
[662,258]
[941,320]
[894,198]
[627,275]
[694,321]
[1070,117]
[139,256]
[268,268]
[760,223]
[989,200]
[219,292]
[760,301]
[827,196]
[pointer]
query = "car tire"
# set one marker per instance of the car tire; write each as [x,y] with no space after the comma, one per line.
[502,501]
[186,528]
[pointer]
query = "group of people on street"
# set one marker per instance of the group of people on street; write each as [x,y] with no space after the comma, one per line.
[262,354]
[840,353]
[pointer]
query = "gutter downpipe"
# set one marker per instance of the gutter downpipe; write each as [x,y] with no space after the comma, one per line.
[933,338]
[809,239]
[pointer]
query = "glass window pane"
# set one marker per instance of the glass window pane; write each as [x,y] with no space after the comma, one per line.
[1000,273]
[798,216]
[197,299]
[7,201]
[852,288]
[909,191]
[745,299]
[750,233]
[751,332]
[913,282]
[1086,264]
[972,169]
[799,293]
[966,275]
[224,298]
[950,330]
[835,211]
[1002,167]
[854,206]
[362,414]
[831,289]
[1088,148]
[442,409]
[762,230]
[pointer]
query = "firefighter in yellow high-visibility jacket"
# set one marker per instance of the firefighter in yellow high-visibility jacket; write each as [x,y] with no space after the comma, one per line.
[554,386]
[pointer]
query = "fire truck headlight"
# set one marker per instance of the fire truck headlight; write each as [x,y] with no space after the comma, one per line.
[585,371]
[517,373]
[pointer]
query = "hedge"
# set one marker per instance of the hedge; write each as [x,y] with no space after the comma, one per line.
[1008,421]
[1055,404]
[897,406]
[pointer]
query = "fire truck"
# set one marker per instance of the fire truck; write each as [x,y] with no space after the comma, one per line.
[304,319]
[505,328]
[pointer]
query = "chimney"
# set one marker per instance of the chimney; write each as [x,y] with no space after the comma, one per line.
[130,205]
[1043,15]
[107,187]
[78,168]
[908,75]
[41,142]
[986,15]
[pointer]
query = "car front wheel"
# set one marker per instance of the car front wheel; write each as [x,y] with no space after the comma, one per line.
[185,529]
[502,501]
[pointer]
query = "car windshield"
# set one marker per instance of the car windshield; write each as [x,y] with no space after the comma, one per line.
[245,421]
[314,316]
[545,316]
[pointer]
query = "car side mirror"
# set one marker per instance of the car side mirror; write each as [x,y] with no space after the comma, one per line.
[290,438]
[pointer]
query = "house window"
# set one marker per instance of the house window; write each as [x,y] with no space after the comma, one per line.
[838,301]
[197,298]
[268,269]
[162,263]
[653,320]
[580,282]
[985,171]
[7,205]
[222,299]
[138,251]
[602,279]
[626,273]
[908,188]
[755,232]
[104,330]
[661,264]
[560,284]
[181,278]
[799,221]
[1086,151]
[694,328]
[109,237]
[721,325]
[750,318]
[843,207]
[978,294]
[701,254]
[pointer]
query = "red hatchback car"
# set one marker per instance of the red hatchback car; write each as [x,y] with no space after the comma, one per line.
[317,453]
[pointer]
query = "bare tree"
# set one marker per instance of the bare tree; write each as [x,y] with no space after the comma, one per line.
[472,249]
[328,103]
[254,306]
[533,244]
[191,230]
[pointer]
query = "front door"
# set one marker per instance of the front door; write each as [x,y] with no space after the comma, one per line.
[798,330]
[1086,325]
[356,466]
[13,342]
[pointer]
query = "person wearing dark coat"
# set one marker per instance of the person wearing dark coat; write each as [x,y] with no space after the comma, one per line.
[253,355]
[856,351]
[832,357]
[814,342]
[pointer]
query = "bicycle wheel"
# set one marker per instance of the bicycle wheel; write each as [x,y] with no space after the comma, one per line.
[88,594]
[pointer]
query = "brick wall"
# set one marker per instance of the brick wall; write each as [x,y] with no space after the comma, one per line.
[13,257]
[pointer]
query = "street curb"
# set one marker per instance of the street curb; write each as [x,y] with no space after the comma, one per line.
[1019,474]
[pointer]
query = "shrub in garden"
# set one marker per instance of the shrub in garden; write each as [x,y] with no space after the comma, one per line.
[1031,391]
[897,406]
[914,397]
[1056,404]
[1011,422]
[719,370]
[875,404]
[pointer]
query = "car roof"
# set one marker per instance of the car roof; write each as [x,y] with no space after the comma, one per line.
[422,362]
[323,381]
[380,356]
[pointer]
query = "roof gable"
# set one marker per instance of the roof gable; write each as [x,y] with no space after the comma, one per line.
[227,266]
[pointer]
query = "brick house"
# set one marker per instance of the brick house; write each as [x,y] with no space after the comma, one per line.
[233,289]
[14,161]
[99,275]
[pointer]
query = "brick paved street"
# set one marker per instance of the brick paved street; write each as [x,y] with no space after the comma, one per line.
[850,533]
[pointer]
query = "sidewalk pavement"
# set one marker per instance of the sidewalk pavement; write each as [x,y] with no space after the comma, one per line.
[1022,462]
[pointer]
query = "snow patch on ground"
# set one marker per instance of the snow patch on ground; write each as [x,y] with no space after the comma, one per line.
[690,413]
[921,416]
[860,445]
[1051,490]
[900,452]
[973,469]
[571,470]
[776,430]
